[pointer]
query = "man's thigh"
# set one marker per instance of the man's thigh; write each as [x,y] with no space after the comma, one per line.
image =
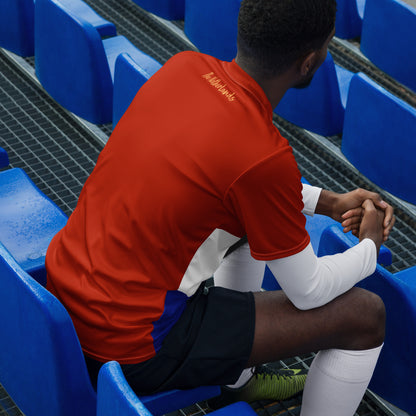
[209,345]
[354,320]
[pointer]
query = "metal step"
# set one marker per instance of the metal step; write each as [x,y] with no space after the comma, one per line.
[348,55]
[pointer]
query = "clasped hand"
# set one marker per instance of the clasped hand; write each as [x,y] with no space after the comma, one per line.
[365,214]
[362,212]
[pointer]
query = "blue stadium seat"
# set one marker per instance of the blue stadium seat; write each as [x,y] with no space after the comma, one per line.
[28,221]
[168,9]
[379,137]
[41,363]
[321,106]
[129,76]
[75,54]
[212,26]
[168,401]
[17,26]
[116,398]
[388,38]
[237,408]
[4,158]
[349,18]
[398,358]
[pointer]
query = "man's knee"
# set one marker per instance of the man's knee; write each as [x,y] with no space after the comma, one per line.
[370,318]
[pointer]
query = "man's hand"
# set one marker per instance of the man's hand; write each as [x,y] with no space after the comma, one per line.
[372,223]
[348,210]
[352,217]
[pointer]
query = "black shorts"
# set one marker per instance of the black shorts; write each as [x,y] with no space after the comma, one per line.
[209,345]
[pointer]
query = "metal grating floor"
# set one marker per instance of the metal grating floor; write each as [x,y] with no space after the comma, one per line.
[141,28]
[348,55]
[291,407]
[7,406]
[58,153]
[41,138]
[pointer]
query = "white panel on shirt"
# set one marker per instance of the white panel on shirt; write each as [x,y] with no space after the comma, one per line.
[206,260]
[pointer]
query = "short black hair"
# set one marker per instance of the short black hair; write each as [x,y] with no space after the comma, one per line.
[273,34]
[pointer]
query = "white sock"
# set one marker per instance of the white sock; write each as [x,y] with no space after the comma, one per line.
[244,377]
[337,381]
[239,271]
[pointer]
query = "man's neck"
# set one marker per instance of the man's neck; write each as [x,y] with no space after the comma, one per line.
[274,88]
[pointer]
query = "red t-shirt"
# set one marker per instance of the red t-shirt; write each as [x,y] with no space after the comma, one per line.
[193,165]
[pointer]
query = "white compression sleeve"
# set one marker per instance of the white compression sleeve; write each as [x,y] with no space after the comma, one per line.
[310,196]
[310,281]
[337,381]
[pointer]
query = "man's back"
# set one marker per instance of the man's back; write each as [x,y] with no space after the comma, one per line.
[165,201]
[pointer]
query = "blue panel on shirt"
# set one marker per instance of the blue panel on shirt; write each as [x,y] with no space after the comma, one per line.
[175,303]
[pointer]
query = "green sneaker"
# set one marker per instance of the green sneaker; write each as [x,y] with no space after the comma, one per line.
[266,384]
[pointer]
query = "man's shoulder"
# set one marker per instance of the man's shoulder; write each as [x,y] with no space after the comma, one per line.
[192,62]
[191,57]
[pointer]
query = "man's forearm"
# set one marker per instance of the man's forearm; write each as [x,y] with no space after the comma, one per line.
[326,203]
[319,201]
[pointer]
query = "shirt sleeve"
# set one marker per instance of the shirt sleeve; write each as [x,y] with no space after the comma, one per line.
[267,200]
[310,281]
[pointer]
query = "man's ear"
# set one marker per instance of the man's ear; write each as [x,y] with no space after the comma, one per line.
[307,63]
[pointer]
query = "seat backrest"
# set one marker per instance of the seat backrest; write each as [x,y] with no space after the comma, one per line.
[237,408]
[129,76]
[70,59]
[41,363]
[17,26]
[348,21]
[114,395]
[4,158]
[168,9]
[398,292]
[318,107]
[28,221]
[167,401]
[116,398]
[388,38]
[379,137]
[212,26]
